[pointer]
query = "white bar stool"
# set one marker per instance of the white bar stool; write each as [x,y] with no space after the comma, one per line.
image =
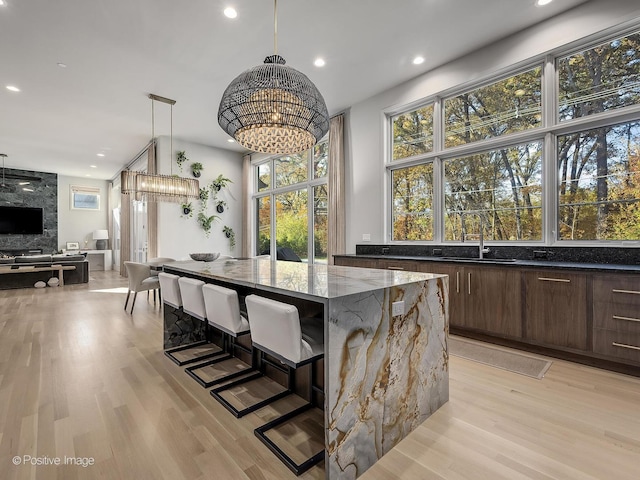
[190,293]
[170,289]
[222,309]
[278,331]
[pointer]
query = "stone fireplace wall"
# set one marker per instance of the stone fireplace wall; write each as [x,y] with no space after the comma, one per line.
[44,194]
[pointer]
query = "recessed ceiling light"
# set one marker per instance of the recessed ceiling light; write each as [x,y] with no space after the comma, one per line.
[23,183]
[27,189]
[88,175]
[12,88]
[231,140]
[230,12]
[418,60]
[319,62]
[100,154]
[62,65]
[93,166]
[542,3]
[2,3]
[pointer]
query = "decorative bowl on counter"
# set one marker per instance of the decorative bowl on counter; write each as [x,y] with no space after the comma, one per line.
[204,257]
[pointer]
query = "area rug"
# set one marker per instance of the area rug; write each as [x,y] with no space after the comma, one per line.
[498,357]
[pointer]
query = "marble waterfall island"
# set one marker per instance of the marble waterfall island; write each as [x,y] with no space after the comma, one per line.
[384,374]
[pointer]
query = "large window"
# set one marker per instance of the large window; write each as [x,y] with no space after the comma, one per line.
[599,183]
[508,106]
[413,203]
[488,157]
[599,79]
[413,133]
[293,214]
[502,189]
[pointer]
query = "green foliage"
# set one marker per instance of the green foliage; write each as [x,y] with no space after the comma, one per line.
[196,168]
[219,182]
[187,209]
[230,234]
[181,157]
[206,222]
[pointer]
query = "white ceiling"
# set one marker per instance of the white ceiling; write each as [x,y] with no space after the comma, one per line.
[118,51]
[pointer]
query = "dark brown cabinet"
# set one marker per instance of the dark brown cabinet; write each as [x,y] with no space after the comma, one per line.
[594,315]
[556,308]
[482,298]
[456,299]
[616,316]
[493,300]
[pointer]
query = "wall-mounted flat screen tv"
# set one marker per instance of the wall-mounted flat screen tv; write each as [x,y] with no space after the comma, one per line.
[21,220]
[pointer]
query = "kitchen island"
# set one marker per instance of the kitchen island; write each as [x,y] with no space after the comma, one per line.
[384,374]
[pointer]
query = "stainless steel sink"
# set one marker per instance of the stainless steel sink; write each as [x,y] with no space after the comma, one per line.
[468,259]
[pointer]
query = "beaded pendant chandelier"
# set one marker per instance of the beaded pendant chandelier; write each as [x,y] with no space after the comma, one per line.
[273,108]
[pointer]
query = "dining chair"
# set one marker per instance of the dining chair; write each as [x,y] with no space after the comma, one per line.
[140,280]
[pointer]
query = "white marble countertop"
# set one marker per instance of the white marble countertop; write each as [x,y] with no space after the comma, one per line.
[320,281]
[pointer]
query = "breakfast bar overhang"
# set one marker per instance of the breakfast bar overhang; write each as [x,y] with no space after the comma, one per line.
[385,337]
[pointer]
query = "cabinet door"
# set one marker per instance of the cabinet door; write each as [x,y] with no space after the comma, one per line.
[493,300]
[556,306]
[456,297]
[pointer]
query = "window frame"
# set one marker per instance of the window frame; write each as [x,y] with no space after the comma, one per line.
[84,190]
[547,132]
[274,191]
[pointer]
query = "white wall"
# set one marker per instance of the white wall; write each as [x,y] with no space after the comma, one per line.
[78,225]
[365,153]
[177,235]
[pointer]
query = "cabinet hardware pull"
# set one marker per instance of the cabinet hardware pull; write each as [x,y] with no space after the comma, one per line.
[630,319]
[395,268]
[563,280]
[622,345]
[457,282]
[625,291]
[469,282]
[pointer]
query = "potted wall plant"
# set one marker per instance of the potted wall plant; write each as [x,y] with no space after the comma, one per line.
[187,209]
[196,169]
[220,206]
[181,157]
[204,195]
[219,183]
[206,222]
[230,234]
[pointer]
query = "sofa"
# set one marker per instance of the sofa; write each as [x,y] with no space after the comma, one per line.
[26,278]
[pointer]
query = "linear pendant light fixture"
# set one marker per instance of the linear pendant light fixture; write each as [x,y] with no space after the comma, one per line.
[159,188]
[273,108]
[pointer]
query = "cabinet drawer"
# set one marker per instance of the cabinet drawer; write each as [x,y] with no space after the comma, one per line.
[616,303]
[616,344]
[402,265]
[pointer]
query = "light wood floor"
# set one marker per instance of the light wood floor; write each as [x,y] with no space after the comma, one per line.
[79,377]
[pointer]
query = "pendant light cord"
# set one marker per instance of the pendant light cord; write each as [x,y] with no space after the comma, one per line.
[275,27]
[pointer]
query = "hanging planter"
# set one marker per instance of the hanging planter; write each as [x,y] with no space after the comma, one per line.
[187,209]
[219,183]
[181,157]
[220,206]
[196,169]
[230,234]
[206,222]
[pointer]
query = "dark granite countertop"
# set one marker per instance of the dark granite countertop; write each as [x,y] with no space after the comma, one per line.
[592,267]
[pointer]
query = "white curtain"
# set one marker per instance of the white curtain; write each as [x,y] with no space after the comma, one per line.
[246,206]
[336,214]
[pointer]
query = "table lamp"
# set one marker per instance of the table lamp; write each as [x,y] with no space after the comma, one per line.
[101,237]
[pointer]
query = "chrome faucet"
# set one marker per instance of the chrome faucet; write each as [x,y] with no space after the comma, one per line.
[481,248]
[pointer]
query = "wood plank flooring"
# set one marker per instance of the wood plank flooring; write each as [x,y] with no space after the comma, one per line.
[81,378]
